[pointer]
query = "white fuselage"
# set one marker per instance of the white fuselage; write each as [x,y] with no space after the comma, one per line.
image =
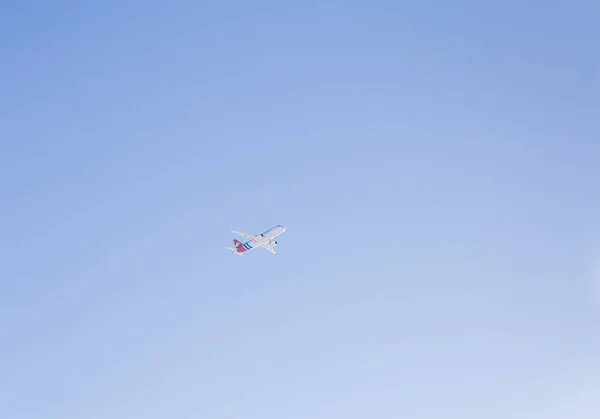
[262,240]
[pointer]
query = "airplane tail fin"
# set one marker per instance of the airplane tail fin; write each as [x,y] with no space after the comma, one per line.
[239,247]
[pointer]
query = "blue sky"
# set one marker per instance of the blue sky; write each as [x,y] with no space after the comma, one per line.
[436,166]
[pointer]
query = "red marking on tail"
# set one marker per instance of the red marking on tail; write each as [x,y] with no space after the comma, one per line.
[239,246]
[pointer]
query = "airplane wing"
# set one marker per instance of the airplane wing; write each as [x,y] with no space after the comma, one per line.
[248,236]
[270,248]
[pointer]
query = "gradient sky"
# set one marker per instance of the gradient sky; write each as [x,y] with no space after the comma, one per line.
[437,166]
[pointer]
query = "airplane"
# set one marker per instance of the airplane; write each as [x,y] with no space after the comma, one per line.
[264,240]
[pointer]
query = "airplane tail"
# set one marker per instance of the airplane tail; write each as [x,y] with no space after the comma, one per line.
[238,249]
[233,250]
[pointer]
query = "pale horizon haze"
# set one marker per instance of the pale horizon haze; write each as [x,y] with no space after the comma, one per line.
[436,165]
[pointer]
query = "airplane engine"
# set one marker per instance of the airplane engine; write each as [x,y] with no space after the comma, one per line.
[274,243]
